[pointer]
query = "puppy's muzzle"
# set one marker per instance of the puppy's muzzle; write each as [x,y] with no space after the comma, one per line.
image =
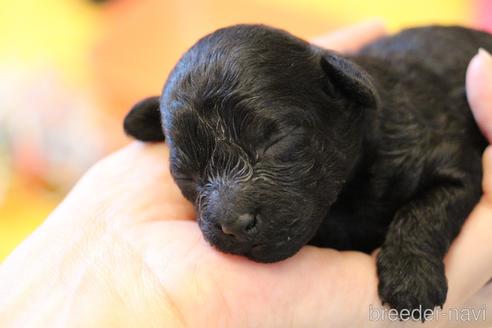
[233,213]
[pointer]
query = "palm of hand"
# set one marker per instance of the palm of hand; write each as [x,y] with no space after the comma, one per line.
[181,277]
[152,261]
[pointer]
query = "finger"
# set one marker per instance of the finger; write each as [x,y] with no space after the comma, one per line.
[472,243]
[479,91]
[352,38]
[487,176]
[473,246]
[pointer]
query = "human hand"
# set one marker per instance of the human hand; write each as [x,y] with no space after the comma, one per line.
[123,250]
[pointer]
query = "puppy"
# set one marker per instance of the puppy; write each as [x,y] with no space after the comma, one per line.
[280,143]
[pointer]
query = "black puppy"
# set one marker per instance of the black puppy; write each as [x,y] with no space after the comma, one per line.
[280,143]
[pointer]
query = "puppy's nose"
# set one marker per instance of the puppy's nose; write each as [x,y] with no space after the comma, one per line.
[241,226]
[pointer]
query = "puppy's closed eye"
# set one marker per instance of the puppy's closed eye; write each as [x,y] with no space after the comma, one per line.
[285,146]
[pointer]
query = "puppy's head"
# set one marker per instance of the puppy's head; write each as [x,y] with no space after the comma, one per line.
[263,129]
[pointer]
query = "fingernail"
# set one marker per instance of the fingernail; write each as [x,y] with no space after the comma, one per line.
[485,56]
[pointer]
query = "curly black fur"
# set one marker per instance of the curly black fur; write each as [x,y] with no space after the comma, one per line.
[280,143]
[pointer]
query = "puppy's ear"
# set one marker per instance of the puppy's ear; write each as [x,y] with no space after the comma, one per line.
[349,79]
[143,122]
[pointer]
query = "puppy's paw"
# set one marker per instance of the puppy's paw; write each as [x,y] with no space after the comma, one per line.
[412,284]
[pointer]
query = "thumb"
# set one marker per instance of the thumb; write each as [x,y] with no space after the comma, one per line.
[487,177]
[479,91]
[472,245]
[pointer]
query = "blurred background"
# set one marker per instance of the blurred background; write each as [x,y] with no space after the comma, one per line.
[70,70]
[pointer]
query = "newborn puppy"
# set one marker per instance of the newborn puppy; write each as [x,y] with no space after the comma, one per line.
[280,143]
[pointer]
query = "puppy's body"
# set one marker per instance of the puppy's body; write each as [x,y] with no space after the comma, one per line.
[280,143]
[424,125]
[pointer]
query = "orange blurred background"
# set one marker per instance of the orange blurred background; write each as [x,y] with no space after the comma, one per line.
[69,71]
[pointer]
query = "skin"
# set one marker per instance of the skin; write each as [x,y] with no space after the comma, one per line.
[123,250]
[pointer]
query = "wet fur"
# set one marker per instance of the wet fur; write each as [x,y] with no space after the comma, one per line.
[376,149]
